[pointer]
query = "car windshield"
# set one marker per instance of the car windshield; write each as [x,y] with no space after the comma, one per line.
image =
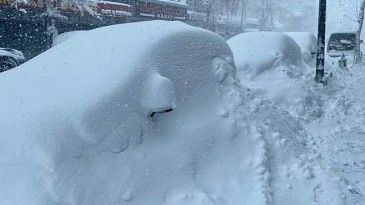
[342,41]
[182,102]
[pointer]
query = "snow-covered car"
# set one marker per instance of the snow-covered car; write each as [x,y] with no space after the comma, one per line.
[116,90]
[65,36]
[308,44]
[256,52]
[142,113]
[271,64]
[10,58]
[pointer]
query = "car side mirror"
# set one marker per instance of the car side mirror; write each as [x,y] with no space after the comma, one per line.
[158,95]
[361,41]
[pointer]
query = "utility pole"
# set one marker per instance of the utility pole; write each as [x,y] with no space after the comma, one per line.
[321,42]
[242,16]
[46,24]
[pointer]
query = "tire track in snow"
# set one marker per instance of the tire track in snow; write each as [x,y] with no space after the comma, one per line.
[241,111]
[276,141]
[264,169]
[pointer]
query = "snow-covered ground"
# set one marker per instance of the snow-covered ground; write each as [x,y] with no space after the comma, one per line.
[333,115]
[155,113]
[340,136]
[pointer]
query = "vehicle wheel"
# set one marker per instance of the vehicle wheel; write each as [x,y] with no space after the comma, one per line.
[7,64]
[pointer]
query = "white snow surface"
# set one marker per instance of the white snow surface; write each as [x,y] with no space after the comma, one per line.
[75,125]
[65,36]
[339,135]
[333,116]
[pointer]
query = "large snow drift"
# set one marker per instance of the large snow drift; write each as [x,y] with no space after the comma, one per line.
[75,125]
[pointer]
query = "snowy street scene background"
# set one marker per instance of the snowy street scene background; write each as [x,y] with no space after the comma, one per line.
[174,102]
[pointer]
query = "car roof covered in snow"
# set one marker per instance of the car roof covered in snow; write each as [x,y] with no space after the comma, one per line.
[76,99]
[255,52]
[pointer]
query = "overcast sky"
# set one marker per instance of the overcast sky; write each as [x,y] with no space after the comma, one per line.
[339,14]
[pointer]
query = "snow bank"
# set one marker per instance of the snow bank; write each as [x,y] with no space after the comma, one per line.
[76,127]
[307,43]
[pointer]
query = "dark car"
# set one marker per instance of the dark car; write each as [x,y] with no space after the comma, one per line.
[341,43]
[10,58]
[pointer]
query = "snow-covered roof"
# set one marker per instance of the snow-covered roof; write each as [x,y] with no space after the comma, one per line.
[256,52]
[65,36]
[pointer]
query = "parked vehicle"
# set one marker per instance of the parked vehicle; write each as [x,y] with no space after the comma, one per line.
[10,58]
[341,44]
[308,44]
[125,78]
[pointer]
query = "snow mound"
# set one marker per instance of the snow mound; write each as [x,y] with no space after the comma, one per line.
[76,125]
[256,52]
[308,44]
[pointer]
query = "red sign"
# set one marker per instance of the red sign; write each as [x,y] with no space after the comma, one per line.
[107,8]
[160,10]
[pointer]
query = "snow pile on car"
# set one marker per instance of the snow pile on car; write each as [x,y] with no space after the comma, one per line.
[271,64]
[65,36]
[256,52]
[307,43]
[145,113]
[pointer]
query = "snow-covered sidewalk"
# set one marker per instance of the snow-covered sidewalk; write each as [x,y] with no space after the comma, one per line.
[340,136]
